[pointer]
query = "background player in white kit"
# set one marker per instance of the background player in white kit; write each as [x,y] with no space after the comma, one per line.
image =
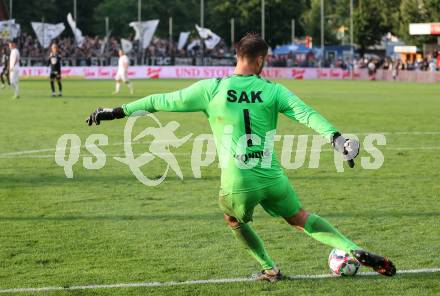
[14,67]
[122,74]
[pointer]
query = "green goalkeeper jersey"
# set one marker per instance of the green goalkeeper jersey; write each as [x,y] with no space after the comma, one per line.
[243,114]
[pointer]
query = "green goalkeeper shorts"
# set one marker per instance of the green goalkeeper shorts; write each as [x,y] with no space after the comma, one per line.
[279,200]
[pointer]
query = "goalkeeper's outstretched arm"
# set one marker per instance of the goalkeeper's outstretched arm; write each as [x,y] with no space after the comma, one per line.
[191,99]
[294,108]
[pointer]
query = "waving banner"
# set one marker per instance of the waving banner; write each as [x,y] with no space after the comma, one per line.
[79,38]
[126,45]
[47,32]
[183,39]
[211,39]
[9,29]
[144,31]
[194,43]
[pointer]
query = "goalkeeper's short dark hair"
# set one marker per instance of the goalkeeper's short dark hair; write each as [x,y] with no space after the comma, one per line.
[251,46]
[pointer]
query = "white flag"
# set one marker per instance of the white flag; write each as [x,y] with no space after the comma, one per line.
[144,31]
[47,32]
[9,29]
[183,38]
[79,38]
[193,44]
[211,39]
[127,45]
[203,32]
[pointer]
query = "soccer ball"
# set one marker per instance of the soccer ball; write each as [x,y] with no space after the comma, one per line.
[342,263]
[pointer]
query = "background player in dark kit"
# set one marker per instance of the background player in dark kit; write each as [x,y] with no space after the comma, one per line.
[55,69]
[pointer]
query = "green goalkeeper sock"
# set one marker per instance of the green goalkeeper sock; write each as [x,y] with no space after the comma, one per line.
[323,231]
[246,234]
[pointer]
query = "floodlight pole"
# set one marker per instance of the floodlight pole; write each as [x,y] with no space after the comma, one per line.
[107,25]
[202,24]
[75,11]
[140,49]
[10,9]
[76,24]
[351,40]
[202,13]
[42,24]
[107,28]
[139,10]
[170,31]
[322,33]
[293,31]
[232,32]
[263,29]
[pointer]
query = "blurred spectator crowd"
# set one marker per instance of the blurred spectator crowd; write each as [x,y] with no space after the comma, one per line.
[104,51]
[99,51]
[429,63]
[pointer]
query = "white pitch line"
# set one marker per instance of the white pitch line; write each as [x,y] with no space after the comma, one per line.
[197,282]
[149,142]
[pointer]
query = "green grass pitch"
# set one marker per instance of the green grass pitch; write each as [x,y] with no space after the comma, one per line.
[104,227]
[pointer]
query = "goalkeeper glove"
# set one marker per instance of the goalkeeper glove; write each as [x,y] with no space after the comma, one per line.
[349,148]
[105,114]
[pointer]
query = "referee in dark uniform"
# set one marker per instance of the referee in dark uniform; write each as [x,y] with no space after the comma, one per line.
[55,69]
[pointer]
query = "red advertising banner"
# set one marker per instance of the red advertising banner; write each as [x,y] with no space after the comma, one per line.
[192,72]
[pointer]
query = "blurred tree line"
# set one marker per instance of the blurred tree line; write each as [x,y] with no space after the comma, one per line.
[372,18]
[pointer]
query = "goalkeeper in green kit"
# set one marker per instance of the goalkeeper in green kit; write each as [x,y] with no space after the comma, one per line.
[242,110]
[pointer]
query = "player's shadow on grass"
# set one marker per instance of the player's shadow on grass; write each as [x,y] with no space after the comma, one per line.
[154,217]
[20,181]
[49,180]
[198,217]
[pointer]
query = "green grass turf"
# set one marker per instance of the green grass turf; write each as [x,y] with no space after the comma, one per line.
[104,227]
